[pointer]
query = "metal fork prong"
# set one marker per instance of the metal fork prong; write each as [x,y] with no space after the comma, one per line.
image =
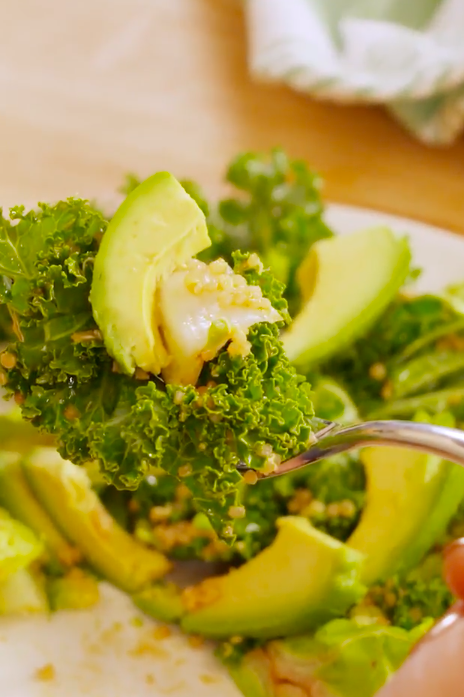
[332,439]
[447,443]
[324,428]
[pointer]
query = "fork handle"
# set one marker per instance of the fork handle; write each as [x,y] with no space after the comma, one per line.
[447,443]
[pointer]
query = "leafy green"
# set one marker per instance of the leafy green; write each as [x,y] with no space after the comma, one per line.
[414,348]
[278,213]
[406,599]
[342,659]
[447,399]
[425,372]
[64,380]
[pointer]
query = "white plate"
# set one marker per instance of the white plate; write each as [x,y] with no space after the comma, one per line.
[101,653]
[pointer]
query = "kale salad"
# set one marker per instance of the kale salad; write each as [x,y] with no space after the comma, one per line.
[150,352]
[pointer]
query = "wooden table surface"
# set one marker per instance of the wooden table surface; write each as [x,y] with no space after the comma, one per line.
[94,89]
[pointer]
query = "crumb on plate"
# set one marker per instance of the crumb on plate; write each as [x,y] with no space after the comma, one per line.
[162,632]
[45,673]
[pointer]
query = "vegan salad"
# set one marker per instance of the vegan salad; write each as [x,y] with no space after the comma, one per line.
[151,351]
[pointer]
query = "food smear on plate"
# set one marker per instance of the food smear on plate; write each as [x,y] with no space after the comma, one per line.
[146,357]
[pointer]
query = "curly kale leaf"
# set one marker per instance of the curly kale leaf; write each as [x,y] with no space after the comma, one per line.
[245,406]
[278,213]
[243,409]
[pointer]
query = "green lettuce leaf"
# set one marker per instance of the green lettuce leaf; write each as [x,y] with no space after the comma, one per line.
[342,659]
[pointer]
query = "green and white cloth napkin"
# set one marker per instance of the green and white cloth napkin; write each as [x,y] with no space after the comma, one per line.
[406,54]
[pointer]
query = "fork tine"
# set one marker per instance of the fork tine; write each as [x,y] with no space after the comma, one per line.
[321,427]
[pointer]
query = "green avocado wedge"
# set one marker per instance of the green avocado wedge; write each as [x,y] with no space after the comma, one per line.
[19,500]
[18,435]
[162,601]
[156,228]
[346,283]
[64,490]
[19,546]
[23,593]
[411,498]
[76,591]
[303,579]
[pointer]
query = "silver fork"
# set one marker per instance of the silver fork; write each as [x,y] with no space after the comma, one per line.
[332,438]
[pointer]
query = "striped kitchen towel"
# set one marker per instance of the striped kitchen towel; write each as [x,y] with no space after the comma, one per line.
[406,54]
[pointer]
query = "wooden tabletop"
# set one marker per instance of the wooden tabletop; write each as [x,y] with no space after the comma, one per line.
[94,89]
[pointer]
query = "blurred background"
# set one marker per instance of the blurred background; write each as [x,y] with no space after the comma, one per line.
[95,89]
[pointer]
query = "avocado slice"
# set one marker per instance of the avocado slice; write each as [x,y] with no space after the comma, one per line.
[158,308]
[300,581]
[22,593]
[18,435]
[411,498]
[17,497]
[77,590]
[162,601]
[157,228]
[64,490]
[346,283]
[19,546]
